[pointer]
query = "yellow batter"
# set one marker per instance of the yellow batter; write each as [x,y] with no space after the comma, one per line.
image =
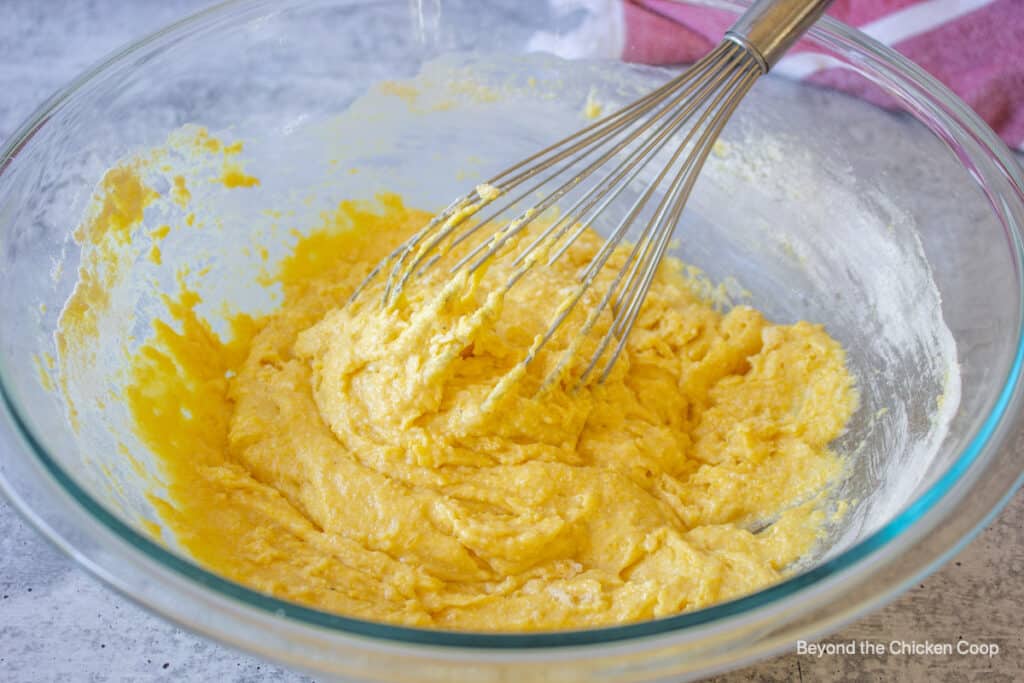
[359,459]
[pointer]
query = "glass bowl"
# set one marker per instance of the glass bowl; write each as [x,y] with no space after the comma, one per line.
[900,230]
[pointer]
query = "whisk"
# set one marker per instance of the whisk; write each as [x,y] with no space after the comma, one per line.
[592,168]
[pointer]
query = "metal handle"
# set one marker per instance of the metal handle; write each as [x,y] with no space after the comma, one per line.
[770,27]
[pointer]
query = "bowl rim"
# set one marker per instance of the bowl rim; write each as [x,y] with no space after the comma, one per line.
[826,30]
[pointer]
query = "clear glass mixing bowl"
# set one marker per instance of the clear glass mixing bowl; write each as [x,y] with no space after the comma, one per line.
[946,190]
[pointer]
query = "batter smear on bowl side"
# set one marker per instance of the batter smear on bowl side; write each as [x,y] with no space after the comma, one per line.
[392,464]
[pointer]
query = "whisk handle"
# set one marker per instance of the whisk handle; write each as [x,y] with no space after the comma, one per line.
[770,27]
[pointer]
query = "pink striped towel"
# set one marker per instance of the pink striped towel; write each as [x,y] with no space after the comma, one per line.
[975,47]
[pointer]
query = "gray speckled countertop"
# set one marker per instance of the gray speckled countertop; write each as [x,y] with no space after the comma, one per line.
[58,623]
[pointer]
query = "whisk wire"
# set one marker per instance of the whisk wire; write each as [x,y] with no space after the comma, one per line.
[468,205]
[679,193]
[697,78]
[616,180]
[587,142]
[657,236]
[593,167]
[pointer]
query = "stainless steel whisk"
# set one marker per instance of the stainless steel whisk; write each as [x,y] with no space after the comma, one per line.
[600,162]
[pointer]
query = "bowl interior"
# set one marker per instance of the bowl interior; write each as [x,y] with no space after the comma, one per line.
[817,206]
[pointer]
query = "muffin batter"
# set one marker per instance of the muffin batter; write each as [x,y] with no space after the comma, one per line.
[360,459]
